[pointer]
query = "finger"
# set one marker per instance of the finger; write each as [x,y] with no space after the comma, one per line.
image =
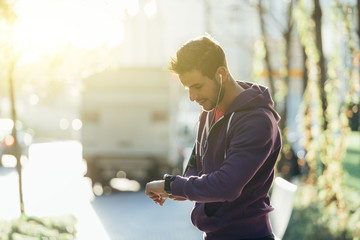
[162,201]
[155,197]
[152,195]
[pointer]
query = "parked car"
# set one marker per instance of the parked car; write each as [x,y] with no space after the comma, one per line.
[7,141]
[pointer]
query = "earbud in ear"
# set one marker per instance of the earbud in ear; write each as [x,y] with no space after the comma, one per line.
[220,77]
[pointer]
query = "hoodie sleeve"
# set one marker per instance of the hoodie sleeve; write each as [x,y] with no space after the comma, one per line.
[251,141]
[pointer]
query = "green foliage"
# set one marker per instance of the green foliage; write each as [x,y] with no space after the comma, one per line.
[324,207]
[351,161]
[312,219]
[345,17]
[36,228]
[316,214]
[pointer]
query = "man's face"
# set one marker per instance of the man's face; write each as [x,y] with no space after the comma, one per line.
[201,89]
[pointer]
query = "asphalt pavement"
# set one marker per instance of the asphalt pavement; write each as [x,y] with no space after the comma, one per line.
[133,216]
[54,184]
[118,216]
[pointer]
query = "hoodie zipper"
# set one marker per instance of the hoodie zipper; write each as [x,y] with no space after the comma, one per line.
[206,141]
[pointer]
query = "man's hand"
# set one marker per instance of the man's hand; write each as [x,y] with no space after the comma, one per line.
[155,191]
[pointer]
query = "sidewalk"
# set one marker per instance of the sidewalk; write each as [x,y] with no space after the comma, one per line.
[51,188]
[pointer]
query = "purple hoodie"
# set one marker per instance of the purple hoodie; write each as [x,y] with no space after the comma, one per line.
[235,168]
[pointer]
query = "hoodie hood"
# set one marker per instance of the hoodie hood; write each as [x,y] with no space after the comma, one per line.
[253,96]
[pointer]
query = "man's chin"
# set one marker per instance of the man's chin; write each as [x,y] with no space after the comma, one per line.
[207,109]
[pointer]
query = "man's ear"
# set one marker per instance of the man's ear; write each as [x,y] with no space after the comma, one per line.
[221,75]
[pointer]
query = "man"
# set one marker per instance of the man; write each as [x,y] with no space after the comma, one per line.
[237,145]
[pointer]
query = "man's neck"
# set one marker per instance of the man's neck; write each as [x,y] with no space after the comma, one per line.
[232,90]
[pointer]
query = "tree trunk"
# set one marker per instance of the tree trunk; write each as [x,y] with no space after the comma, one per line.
[358,14]
[317,15]
[287,37]
[267,59]
[17,150]
[305,77]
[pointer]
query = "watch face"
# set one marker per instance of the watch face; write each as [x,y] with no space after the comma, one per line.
[171,178]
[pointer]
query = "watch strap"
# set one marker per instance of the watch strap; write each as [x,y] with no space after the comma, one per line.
[168,180]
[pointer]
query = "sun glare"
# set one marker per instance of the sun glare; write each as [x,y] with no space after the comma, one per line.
[46,25]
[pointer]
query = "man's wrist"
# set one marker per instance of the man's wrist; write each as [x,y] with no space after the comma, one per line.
[167,185]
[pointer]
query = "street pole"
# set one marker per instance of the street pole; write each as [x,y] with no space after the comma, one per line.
[14,134]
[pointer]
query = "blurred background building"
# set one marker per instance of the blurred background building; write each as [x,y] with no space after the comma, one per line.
[151,31]
[144,33]
[54,59]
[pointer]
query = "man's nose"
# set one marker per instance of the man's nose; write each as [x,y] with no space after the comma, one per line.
[192,95]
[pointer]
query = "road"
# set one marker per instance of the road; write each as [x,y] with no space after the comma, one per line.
[118,216]
[133,216]
[54,184]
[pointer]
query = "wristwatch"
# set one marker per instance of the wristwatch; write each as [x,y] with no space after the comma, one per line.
[168,180]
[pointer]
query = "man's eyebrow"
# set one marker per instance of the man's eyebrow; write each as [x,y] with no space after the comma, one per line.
[194,85]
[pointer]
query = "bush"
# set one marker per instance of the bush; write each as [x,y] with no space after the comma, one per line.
[35,228]
[312,219]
